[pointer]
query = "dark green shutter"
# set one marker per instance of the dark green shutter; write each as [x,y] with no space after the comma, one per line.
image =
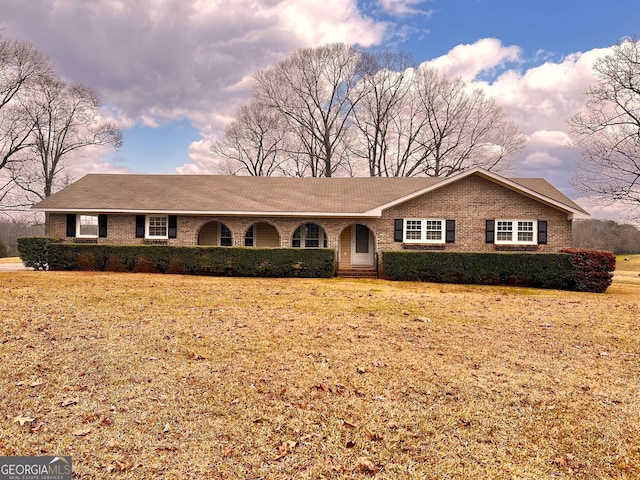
[139,226]
[542,232]
[102,226]
[71,225]
[450,236]
[490,231]
[398,224]
[173,226]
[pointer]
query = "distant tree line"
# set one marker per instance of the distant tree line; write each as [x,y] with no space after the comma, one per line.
[11,230]
[43,120]
[337,110]
[606,235]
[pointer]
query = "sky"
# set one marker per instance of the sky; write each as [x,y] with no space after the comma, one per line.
[171,73]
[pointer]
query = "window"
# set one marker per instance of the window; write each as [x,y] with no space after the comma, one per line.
[249,238]
[226,240]
[413,230]
[433,230]
[423,230]
[87,226]
[309,235]
[504,231]
[516,232]
[157,227]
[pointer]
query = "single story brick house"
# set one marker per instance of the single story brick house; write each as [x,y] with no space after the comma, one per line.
[476,210]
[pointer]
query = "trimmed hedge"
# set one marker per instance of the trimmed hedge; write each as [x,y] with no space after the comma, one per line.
[218,261]
[34,251]
[586,271]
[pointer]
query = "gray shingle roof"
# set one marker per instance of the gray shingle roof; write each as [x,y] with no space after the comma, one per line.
[215,194]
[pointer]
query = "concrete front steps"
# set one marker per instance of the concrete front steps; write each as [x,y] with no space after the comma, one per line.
[357,273]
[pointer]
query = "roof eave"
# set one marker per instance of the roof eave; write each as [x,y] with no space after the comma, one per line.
[220,213]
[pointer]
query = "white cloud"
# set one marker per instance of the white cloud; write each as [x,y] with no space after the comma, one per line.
[470,60]
[543,96]
[403,7]
[175,58]
[539,160]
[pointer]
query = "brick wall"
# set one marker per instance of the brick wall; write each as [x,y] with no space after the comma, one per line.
[470,202]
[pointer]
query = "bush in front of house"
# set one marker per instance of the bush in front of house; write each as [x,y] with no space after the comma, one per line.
[572,270]
[592,269]
[218,261]
[34,251]
[4,252]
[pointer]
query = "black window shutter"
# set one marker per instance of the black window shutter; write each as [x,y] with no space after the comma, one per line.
[490,231]
[450,231]
[102,226]
[398,224]
[139,226]
[71,225]
[542,232]
[173,226]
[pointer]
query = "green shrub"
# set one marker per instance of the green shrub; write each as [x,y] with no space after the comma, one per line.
[3,250]
[542,270]
[34,251]
[221,261]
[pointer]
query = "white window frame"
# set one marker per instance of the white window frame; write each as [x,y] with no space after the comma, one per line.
[147,222]
[230,237]
[79,225]
[423,223]
[516,229]
[303,240]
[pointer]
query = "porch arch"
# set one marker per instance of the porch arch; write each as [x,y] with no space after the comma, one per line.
[262,235]
[215,234]
[357,247]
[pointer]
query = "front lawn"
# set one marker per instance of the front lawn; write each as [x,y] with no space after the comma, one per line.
[175,377]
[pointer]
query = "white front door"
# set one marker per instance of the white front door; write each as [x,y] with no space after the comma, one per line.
[361,246]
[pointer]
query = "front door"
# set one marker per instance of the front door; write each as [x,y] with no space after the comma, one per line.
[361,246]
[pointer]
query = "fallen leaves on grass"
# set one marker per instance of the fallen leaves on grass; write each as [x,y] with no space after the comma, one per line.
[286,447]
[441,381]
[69,401]
[21,419]
[367,465]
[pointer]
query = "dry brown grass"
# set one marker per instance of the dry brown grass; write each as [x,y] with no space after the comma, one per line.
[627,269]
[10,260]
[175,377]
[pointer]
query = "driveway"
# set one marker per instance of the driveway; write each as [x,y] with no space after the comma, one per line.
[13,267]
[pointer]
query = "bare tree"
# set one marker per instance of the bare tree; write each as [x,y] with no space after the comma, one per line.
[463,128]
[608,128]
[21,67]
[386,86]
[315,90]
[253,143]
[352,113]
[417,122]
[65,119]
